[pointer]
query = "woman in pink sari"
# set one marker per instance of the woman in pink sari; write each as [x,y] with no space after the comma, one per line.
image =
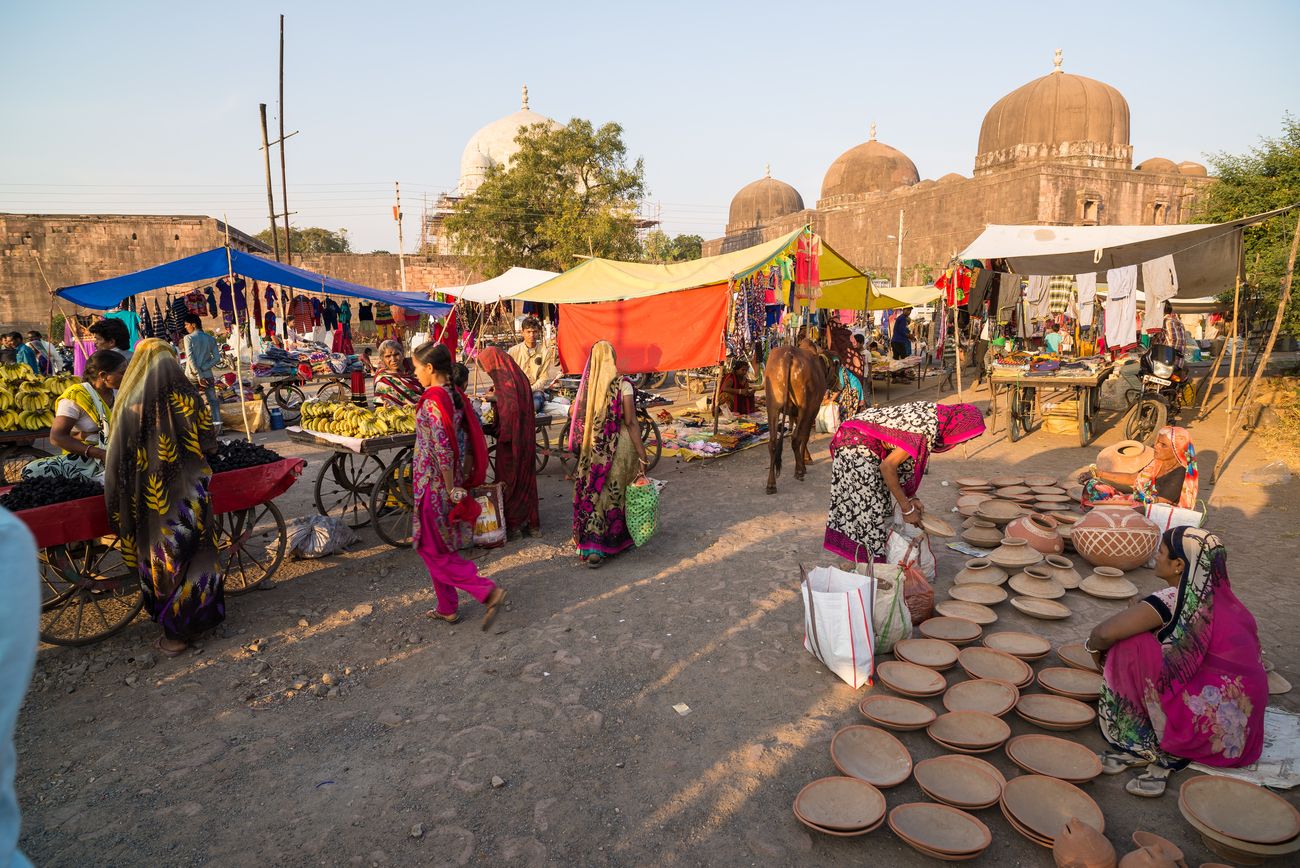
[1184,681]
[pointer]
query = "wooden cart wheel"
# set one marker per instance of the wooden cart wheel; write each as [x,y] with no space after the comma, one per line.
[393,501]
[1085,416]
[334,391]
[650,436]
[543,450]
[87,592]
[344,486]
[251,544]
[567,458]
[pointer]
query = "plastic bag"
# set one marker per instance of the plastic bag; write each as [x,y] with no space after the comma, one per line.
[900,542]
[641,509]
[838,629]
[1272,473]
[315,536]
[490,526]
[828,418]
[889,613]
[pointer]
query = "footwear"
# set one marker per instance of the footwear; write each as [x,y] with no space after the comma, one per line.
[493,603]
[594,561]
[1150,784]
[514,534]
[453,618]
[1114,762]
[170,652]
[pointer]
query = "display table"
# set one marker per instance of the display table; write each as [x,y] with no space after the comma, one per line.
[1026,392]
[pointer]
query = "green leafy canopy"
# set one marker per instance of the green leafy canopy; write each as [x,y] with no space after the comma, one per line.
[312,239]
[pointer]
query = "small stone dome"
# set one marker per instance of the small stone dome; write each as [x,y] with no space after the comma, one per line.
[950,177]
[761,202]
[1187,167]
[1158,164]
[494,145]
[870,167]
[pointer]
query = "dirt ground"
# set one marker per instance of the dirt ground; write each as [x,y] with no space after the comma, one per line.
[217,758]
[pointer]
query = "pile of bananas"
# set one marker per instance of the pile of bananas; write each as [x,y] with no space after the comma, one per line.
[349,420]
[27,399]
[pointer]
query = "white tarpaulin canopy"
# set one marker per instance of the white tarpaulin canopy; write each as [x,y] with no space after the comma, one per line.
[503,286]
[1207,256]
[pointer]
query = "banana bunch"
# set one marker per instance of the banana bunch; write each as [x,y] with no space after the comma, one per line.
[31,395]
[349,420]
[27,400]
[397,420]
[12,375]
[32,420]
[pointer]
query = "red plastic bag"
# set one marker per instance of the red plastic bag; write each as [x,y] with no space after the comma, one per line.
[918,596]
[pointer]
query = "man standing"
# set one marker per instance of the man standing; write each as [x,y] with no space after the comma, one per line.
[201,356]
[23,354]
[536,360]
[1175,334]
[47,355]
[112,334]
[900,341]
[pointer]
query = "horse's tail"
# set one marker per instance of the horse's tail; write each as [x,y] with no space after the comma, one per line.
[783,412]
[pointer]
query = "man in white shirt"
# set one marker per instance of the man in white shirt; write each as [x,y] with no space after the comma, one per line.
[536,360]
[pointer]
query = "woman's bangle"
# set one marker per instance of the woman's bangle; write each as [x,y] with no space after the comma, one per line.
[909,512]
[1089,648]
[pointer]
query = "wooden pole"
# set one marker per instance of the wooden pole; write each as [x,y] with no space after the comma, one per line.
[284,181]
[239,344]
[722,369]
[270,195]
[1214,376]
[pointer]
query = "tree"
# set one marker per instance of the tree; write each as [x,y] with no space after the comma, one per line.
[1267,177]
[658,247]
[568,192]
[311,240]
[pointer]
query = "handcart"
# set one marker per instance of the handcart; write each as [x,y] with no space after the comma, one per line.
[347,479]
[1026,392]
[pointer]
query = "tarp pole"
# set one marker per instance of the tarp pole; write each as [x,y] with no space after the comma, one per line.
[1214,369]
[722,369]
[234,303]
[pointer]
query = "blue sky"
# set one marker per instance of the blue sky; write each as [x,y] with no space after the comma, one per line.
[151,107]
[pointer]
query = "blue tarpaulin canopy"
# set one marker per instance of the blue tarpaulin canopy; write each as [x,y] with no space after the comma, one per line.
[103,294]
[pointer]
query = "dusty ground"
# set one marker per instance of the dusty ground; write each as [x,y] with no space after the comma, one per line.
[216,758]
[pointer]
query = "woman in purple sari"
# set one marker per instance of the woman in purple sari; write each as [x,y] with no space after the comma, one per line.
[1184,680]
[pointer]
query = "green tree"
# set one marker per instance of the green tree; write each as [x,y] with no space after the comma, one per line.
[568,193]
[313,239]
[1266,177]
[658,247]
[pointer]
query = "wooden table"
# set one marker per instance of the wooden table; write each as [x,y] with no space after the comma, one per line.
[1026,391]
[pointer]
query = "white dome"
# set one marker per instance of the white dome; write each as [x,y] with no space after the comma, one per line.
[494,145]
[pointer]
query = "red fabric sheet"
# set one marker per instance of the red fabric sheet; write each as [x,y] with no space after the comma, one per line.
[669,332]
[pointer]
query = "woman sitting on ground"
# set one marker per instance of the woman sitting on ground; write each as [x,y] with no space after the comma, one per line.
[395,384]
[1183,677]
[734,391]
[1171,476]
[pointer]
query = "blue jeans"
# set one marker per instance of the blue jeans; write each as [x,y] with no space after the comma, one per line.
[213,404]
[539,398]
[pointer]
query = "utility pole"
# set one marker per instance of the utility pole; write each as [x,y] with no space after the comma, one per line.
[397,215]
[284,183]
[898,266]
[270,196]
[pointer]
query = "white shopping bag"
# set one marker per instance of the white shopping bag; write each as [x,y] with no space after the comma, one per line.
[899,549]
[828,418]
[838,631]
[1166,516]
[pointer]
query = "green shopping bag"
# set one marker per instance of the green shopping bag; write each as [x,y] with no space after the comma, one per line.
[641,508]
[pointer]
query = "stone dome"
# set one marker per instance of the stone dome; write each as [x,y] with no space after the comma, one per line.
[762,201]
[871,167]
[1061,117]
[1187,167]
[494,145]
[1158,164]
[950,177]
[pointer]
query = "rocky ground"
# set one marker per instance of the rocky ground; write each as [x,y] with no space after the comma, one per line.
[659,710]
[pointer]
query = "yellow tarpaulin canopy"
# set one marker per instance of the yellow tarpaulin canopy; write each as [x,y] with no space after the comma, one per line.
[846,296]
[612,280]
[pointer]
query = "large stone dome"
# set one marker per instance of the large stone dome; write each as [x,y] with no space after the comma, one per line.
[1059,117]
[494,145]
[762,201]
[871,167]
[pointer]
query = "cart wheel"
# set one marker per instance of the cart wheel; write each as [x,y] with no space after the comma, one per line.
[543,450]
[334,391]
[1021,413]
[393,501]
[288,398]
[251,543]
[695,382]
[490,474]
[659,380]
[344,484]
[567,458]
[650,436]
[87,592]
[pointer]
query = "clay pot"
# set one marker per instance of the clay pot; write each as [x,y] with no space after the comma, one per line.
[1115,537]
[1062,571]
[1037,530]
[1164,847]
[1145,857]
[1126,456]
[1015,553]
[984,534]
[1079,845]
[982,571]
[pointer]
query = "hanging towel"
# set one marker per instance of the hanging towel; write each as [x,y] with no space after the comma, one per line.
[1121,319]
[1121,282]
[1037,297]
[1160,283]
[1087,284]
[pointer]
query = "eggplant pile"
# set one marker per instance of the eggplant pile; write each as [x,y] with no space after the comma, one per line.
[238,454]
[44,490]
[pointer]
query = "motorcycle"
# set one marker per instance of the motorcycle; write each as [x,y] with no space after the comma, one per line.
[1165,390]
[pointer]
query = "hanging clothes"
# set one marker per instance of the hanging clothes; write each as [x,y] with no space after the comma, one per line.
[196,302]
[1121,321]
[257,308]
[1060,289]
[1087,284]
[211,296]
[315,312]
[146,321]
[331,314]
[1121,282]
[1160,283]
[1008,296]
[1037,297]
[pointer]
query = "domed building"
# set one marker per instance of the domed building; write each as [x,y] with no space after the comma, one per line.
[494,145]
[871,167]
[760,202]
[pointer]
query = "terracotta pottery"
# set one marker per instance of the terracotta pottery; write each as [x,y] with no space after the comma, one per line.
[1074,683]
[971,482]
[982,694]
[973,499]
[1044,805]
[936,526]
[985,595]
[1011,490]
[930,653]
[1036,581]
[961,749]
[971,729]
[983,765]
[1244,852]
[1145,857]
[841,803]
[1015,554]
[939,828]
[985,534]
[1047,507]
[1115,537]
[1026,646]
[949,780]
[1075,491]
[977,612]
[1108,583]
[1037,530]
[1047,610]
[969,510]
[1050,488]
[971,522]
[1062,571]
[958,631]
[1067,533]
[1004,481]
[998,511]
[910,679]
[1024,501]
[1024,831]
[896,713]
[1039,481]
[871,754]
[1066,519]
[1237,809]
[1054,757]
[1054,712]
[980,662]
[1126,456]
[983,489]
[1163,846]
[1079,845]
[1076,656]
[1053,496]
[824,831]
[981,571]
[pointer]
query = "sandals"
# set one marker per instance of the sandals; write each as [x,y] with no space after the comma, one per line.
[1150,784]
[453,618]
[170,652]
[493,603]
[1114,762]
[594,561]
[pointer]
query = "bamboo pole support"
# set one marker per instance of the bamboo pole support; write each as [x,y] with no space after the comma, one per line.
[234,300]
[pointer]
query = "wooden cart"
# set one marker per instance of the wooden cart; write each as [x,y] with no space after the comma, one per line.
[1027,392]
[347,480]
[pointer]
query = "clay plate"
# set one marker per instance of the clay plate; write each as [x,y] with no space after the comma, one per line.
[1065,520]
[1018,498]
[1006,481]
[958,631]
[841,804]
[971,482]
[1254,851]
[1049,843]
[1049,488]
[982,765]
[910,679]
[1039,481]
[1026,646]
[951,780]
[1050,497]
[981,662]
[977,612]
[982,694]
[1053,508]
[825,831]
[1108,589]
[1054,712]
[1048,610]
[1043,805]
[1074,683]
[969,729]
[970,510]
[961,749]
[973,499]
[1076,656]
[872,755]
[985,595]
[998,511]
[1075,491]
[1054,757]
[939,828]
[896,713]
[1237,809]
[930,653]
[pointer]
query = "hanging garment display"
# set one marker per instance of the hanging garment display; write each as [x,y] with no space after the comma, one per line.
[1037,298]
[1008,296]
[146,321]
[1121,282]
[331,314]
[211,296]
[1060,289]
[300,314]
[196,302]
[1121,321]
[1087,284]
[1160,283]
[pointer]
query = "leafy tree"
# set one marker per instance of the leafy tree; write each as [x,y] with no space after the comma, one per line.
[568,193]
[313,239]
[1267,177]
[658,247]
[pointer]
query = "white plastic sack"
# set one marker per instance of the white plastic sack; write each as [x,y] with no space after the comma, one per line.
[889,613]
[899,550]
[838,630]
[1166,516]
[419,338]
[315,536]
[828,418]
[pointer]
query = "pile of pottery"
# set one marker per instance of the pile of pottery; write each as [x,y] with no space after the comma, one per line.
[1039,807]
[1238,820]
[969,731]
[840,806]
[940,831]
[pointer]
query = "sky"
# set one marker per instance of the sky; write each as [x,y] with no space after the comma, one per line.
[151,107]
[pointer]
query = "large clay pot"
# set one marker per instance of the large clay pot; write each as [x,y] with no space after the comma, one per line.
[1039,531]
[1015,554]
[1115,537]
[1063,571]
[981,571]
[985,534]
[1079,845]
[1126,456]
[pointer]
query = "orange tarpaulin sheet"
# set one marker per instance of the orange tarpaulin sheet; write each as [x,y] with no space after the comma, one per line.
[669,332]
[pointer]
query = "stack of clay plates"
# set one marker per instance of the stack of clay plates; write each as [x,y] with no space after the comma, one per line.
[1037,581]
[1108,583]
[1074,683]
[981,662]
[940,831]
[1054,757]
[871,755]
[936,526]
[967,503]
[1059,713]
[985,595]
[1035,607]
[931,653]
[1014,553]
[998,511]
[954,780]
[971,483]
[1016,493]
[896,713]
[958,631]
[844,807]
[1038,806]
[1238,820]
[982,694]
[910,679]
[1006,481]
[969,731]
[1076,656]
[1047,488]
[1038,480]
[1026,646]
[977,612]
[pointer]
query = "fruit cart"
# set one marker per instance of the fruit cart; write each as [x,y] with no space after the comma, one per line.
[348,478]
[87,591]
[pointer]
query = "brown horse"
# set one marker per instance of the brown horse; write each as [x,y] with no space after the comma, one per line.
[795,382]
